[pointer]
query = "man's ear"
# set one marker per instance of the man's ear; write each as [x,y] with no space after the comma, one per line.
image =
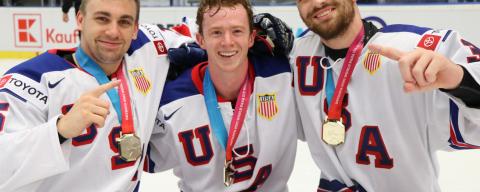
[134,35]
[80,19]
[200,40]
[251,39]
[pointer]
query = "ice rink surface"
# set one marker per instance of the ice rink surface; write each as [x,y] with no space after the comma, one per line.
[458,170]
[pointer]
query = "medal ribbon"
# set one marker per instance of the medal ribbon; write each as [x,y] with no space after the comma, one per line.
[127,117]
[216,120]
[120,103]
[353,53]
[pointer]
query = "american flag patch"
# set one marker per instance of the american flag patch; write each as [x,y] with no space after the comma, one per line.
[141,81]
[371,62]
[267,105]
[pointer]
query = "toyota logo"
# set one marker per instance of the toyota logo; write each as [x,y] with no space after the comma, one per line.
[429,41]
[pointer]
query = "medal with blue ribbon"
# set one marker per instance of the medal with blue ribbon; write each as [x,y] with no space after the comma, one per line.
[227,141]
[129,143]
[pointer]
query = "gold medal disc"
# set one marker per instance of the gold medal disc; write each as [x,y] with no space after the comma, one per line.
[333,132]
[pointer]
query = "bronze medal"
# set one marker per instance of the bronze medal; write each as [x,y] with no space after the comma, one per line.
[129,147]
[333,132]
[228,173]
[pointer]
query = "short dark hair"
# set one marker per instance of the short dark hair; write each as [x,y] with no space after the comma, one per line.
[83,8]
[208,4]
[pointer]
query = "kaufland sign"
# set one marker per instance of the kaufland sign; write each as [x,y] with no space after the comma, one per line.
[40,31]
[29,32]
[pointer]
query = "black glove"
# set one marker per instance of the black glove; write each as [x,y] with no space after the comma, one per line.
[184,57]
[273,31]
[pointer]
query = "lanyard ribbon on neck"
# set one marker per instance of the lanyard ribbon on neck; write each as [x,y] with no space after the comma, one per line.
[127,120]
[120,99]
[335,105]
[216,120]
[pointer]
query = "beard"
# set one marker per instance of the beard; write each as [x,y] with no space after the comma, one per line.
[107,57]
[334,27]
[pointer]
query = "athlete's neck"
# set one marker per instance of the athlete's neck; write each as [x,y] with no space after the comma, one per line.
[346,39]
[108,68]
[228,84]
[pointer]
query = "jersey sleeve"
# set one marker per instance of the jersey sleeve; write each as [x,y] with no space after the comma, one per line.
[161,150]
[28,137]
[454,125]
[300,132]
[171,39]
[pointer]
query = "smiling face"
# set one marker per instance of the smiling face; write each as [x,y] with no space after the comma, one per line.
[108,27]
[227,36]
[327,18]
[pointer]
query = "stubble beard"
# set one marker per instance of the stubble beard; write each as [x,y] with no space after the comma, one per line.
[109,57]
[335,27]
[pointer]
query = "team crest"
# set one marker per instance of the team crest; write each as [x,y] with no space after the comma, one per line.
[267,106]
[141,81]
[371,62]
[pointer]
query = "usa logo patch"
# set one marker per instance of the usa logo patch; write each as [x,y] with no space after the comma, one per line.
[267,105]
[160,46]
[429,42]
[141,81]
[371,62]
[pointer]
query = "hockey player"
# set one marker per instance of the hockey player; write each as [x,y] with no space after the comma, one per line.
[374,119]
[228,124]
[63,127]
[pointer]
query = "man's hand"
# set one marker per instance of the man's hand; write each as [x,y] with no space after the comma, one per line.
[277,33]
[423,69]
[65,17]
[184,57]
[88,109]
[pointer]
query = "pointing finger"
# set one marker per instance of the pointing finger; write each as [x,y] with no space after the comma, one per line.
[388,52]
[104,88]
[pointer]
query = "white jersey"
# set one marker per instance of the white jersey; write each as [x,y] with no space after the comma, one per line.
[391,136]
[34,94]
[266,144]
